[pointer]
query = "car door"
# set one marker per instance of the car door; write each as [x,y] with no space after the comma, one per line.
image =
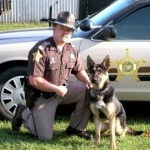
[129,53]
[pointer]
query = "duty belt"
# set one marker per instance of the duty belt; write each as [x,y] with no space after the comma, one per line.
[46,95]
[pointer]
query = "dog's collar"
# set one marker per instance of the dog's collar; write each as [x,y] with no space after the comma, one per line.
[102,89]
[94,92]
[97,91]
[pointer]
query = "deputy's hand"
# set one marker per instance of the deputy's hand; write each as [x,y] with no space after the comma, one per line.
[62,90]
[89,85]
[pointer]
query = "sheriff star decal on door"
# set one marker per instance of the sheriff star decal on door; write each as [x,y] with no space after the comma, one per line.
[128,67]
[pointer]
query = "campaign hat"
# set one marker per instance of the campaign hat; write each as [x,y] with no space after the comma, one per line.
[65,19]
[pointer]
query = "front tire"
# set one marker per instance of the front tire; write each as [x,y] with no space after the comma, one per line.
[11,91]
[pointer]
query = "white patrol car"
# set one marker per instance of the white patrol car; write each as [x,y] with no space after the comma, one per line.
[121,31]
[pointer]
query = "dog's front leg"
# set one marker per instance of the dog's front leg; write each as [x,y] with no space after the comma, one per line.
[98,125]
[112,121]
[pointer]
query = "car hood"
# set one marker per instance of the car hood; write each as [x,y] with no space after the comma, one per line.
[29,37]
[26,35]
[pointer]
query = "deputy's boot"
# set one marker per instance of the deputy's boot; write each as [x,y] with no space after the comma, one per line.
[17,120]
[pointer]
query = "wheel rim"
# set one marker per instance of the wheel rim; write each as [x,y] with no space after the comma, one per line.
[12,94]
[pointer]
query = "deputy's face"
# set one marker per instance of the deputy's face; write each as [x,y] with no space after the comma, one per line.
[61,34]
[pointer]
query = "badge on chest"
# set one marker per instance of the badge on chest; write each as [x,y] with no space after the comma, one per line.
[52,60]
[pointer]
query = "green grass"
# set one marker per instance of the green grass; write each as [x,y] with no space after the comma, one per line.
[22,141]
[14,26]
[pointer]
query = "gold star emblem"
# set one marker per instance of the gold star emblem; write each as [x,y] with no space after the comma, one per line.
[128,67]
[37,56]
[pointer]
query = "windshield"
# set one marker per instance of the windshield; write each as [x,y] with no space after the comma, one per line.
[104,16]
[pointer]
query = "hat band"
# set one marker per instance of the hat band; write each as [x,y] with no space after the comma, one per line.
[66,25]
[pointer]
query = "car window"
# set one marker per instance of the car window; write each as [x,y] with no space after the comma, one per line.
[103,17]
[135,26]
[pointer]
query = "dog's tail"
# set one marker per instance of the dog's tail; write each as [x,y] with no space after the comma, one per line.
[133,132]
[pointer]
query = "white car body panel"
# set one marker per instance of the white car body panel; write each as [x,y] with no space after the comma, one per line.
[127,87]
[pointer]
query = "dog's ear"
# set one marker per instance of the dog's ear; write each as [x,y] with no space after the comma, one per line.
[90,62]
[106,62]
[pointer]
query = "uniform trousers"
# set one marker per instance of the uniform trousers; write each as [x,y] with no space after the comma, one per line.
[40,120]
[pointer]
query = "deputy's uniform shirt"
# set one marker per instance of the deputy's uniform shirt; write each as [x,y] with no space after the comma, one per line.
[45,60]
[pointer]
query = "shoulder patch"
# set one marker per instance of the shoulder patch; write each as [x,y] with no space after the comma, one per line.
[43,45]
[37,56]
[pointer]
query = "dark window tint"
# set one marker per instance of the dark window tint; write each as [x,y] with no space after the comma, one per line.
[135,26]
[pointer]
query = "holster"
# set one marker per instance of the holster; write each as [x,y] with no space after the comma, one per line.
[31,94]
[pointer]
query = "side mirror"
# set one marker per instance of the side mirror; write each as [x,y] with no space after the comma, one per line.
[107,33]
[87,25]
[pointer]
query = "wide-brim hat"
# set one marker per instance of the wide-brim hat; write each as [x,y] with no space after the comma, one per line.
[65,19]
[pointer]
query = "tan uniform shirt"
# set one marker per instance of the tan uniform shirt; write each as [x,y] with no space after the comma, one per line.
[46,61]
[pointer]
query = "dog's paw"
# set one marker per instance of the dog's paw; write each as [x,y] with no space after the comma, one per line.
[113,147]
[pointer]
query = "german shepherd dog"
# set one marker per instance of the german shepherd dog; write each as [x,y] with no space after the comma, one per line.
[108,112]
